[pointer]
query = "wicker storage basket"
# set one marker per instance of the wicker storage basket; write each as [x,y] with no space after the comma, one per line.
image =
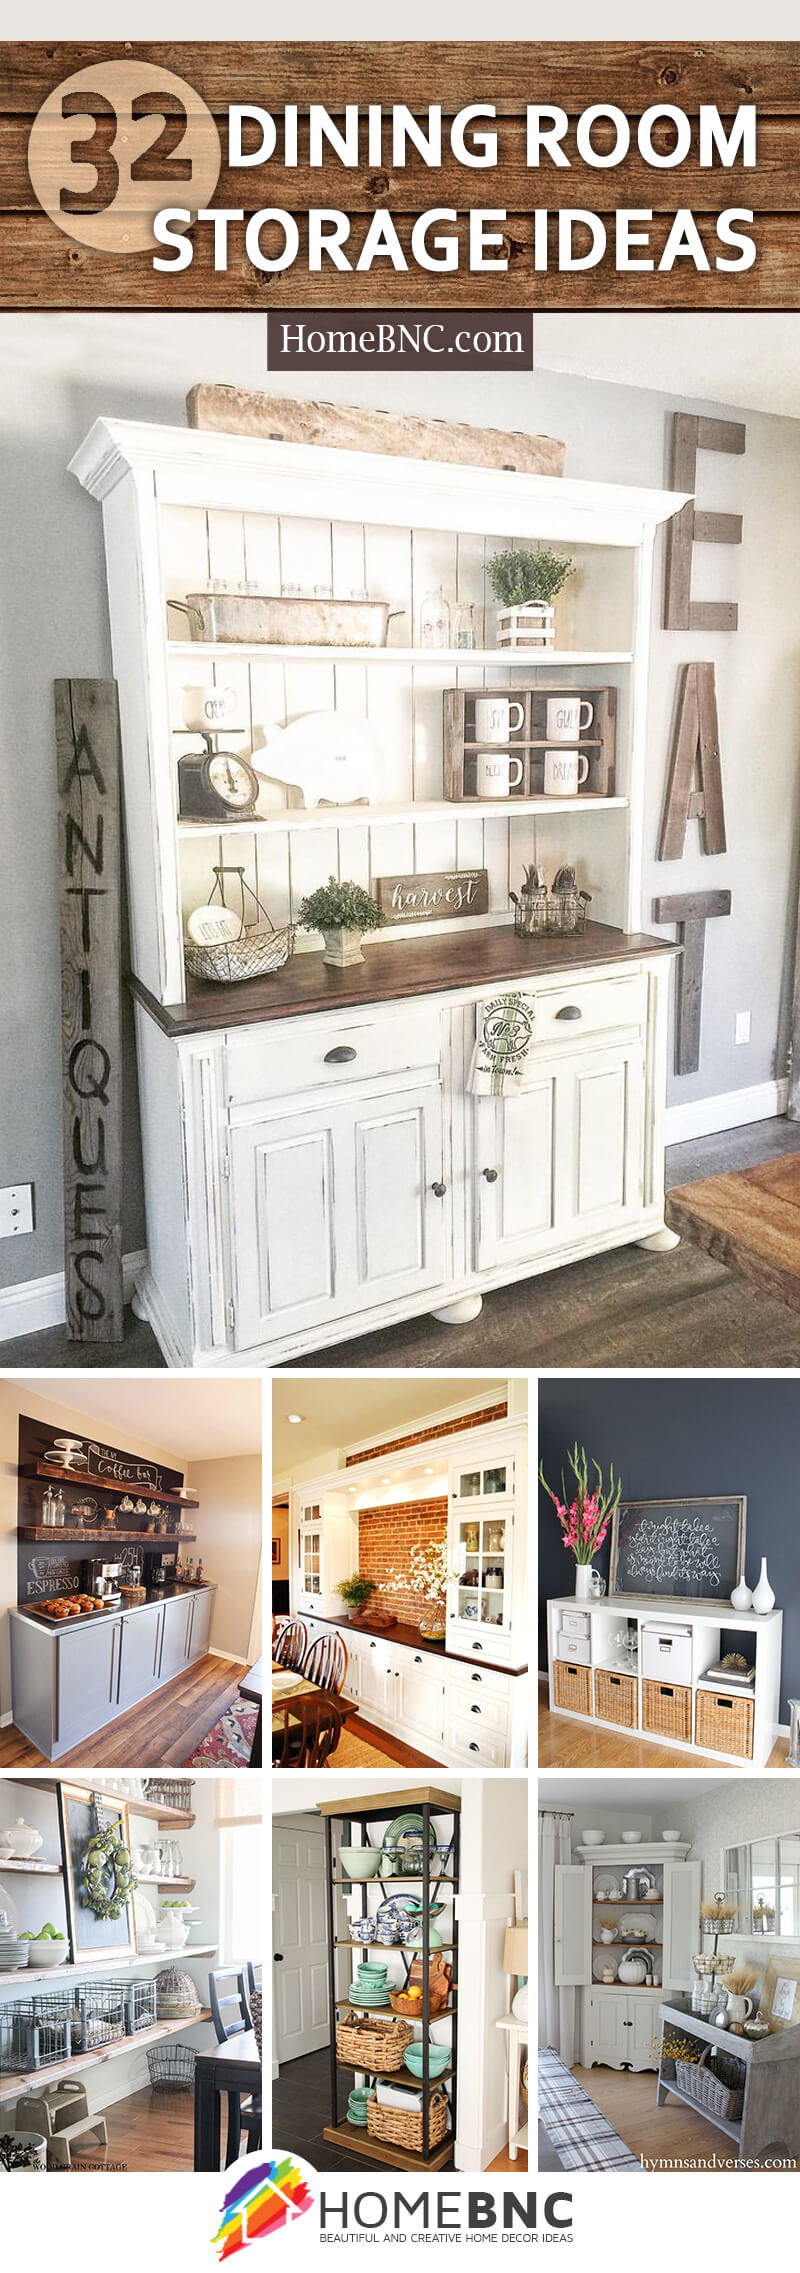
[724,1723]
[258,949]
[378,2046]
[615,1697]
[400,2129]
[572,1686]
[720,2089]
[667,1710]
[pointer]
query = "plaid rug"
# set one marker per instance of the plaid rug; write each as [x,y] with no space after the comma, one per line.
[229,1743]
[583,2138]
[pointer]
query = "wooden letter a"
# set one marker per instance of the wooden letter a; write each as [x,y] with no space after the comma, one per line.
[695,748]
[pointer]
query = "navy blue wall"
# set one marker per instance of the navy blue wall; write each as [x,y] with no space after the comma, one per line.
[688,1437]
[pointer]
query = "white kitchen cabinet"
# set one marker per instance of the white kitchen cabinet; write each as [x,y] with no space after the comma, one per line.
[324,1551]
[140,1649]
[376,1693]
[620,2030]
[573,1925]
[268,1177]
[419,1701]
[619,2021]
[487,1550]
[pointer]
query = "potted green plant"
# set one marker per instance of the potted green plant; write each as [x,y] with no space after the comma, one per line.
[526,582]
[342,912]
[356,1592]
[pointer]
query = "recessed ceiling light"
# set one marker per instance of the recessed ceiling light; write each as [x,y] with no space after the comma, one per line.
[429,1471]
[294,1419]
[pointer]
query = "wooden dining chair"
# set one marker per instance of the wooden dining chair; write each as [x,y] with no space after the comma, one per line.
[325,1663]
[231,2015]
[312,1726]
[291,1643]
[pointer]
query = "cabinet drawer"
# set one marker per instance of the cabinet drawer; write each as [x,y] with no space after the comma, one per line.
[490,1715]
[498,1647]
[575,1646]
[466,1683]
[590,1006]
[475,1751]
[327,1053]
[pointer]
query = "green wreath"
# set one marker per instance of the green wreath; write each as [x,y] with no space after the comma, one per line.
[107,1880]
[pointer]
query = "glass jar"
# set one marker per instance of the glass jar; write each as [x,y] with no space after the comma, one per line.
[434,620]
[464,624]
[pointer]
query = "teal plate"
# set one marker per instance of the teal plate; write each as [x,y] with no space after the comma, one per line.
[405,1826]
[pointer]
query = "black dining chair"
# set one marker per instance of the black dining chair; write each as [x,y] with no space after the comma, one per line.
[253,1973]
[230,2012]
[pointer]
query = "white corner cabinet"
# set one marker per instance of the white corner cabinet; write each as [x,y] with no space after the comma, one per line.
[619,2024]
[674,1704]
[278,1117]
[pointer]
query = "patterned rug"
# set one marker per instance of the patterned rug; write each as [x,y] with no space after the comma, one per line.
[228,1744]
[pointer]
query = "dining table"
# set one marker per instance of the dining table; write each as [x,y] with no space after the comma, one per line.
[288,1694]
[234,2066]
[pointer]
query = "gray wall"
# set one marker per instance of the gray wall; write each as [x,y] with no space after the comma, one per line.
[59,372]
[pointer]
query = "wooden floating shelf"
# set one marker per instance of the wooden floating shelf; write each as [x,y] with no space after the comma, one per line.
[84,1478]
[352,2005]
[185,1884]
[21,1975]
[395,1878]
[458,658]
[356,2140]
[180,1817]
[618,1902]
[627,1945]
[69,1534]
[43,1870]
[11,2086]
[373,816]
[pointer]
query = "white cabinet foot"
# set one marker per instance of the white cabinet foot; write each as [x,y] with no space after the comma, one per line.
[660,1242]
[138,1304]
[460,1313]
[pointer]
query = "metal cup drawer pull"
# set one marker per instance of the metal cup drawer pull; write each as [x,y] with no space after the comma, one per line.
[570,1010]
[342,1055]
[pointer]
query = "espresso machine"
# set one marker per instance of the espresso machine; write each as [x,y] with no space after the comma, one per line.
[102,1580]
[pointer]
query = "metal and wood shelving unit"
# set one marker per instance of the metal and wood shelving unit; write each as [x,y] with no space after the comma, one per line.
[351,2137]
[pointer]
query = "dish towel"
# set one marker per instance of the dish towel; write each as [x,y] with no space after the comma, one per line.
[500,1058]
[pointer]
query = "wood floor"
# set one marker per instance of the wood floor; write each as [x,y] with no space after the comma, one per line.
[382,1741]
[660,2136]
[149,2131]
[565,1743]
[749,1221]
[162,1732]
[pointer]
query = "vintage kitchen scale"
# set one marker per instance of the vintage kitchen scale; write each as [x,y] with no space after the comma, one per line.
[216,785]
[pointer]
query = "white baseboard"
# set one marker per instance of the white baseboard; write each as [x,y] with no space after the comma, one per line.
[37,1303]
[6,1720]
[706,1115]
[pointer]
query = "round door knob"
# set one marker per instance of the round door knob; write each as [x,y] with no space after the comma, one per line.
[440,1190]
[570,1010]
[278,1958]
[373,1645]
[490,1175]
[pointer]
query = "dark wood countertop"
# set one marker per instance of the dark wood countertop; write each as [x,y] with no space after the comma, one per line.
[409,1637]
[392,973]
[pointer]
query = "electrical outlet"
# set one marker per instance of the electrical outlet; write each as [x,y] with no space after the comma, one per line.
[741,1031]
[16,1210]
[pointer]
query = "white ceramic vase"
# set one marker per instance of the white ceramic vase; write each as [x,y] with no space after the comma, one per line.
[763,1597]
[583,1582]
[741,1597]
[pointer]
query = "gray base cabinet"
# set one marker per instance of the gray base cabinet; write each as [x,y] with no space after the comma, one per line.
[67,1684]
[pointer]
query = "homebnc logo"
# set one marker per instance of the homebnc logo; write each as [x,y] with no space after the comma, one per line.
[263,2197]
[75,119]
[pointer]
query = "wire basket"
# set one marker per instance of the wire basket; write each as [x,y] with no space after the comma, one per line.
[539,913]
[720,2089]
[31,2037]
[98,2015]
[140,2006]
[259,948]
[171,2067]
[170,1791]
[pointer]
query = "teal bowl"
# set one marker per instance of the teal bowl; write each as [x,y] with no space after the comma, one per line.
[438,2059]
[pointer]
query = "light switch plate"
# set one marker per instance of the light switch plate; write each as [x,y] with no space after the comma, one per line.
[16,1210]
[742,1028]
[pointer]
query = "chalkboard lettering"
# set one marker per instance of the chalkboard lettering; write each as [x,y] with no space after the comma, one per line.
[681,1549]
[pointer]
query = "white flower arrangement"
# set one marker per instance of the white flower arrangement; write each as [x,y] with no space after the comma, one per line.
[427,1573]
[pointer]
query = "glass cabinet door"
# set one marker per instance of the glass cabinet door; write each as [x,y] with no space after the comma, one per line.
[311,1552]
[481,1552]
[495,1480]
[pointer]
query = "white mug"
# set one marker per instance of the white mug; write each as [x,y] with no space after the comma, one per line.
[564,771]
[565,719]
[207,707]
[493,719]
[494,773]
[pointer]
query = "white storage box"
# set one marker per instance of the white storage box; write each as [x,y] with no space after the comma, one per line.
[667,1651]
[575,1622]
[392,2095]
[575,1646]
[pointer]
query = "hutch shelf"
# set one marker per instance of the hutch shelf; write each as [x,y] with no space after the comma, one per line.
[354,1817]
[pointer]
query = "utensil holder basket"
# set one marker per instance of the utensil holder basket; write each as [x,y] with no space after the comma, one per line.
[400,2129]
[560,912]
[377,2046]
[720,2089]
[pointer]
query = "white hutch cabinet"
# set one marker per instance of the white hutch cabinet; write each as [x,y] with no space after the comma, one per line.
[618,2024]
[314,1162]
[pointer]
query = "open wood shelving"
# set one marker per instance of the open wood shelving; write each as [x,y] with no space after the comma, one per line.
[86,1480]
[12,2085]
[69,1534]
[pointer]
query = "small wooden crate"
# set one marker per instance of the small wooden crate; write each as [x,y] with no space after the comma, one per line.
[667,1710]
[572,1686]
[400,2129]
[529,742]
[724,1723]
[615,1697]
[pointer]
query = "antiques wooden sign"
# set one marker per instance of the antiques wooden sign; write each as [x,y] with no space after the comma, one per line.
[88,761]
[438,897]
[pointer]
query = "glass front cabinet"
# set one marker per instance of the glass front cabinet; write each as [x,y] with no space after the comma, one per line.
[486,1555]
[325,1550]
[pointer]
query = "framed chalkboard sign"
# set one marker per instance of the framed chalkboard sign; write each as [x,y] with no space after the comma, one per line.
[93,1937]
[684,1549]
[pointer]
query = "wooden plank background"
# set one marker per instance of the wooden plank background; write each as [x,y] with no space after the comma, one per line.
[42,267]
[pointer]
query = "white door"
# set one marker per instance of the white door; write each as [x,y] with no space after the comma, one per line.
[573,1925]
[681,1914]
[600,1164]
[300,1952]
[419,1705]
[610,2034]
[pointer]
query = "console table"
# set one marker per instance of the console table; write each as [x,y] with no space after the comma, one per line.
[770,2118]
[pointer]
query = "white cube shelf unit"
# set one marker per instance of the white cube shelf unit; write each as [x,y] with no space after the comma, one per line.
[588,1682]
[225,1090]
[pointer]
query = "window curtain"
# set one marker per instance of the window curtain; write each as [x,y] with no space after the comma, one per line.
[557,2018]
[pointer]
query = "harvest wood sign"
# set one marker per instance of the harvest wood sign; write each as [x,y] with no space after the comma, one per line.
[88,760]
[435,898]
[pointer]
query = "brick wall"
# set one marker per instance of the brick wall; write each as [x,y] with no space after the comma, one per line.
[385,1538]
[427,1436]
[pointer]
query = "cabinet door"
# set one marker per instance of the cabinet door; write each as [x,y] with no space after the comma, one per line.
[86,1680]
[600,1171]
[419,1704]
[377,1684]
[200,1630]
[140,1642]
[573,1925]
[681,1912]
[515,1141]
[399,1226]
[311,1562]
[175,1643]
[612,2028]
[644,2033]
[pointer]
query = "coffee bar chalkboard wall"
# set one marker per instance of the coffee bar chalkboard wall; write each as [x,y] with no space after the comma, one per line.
[693,1549]
[50,1566]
